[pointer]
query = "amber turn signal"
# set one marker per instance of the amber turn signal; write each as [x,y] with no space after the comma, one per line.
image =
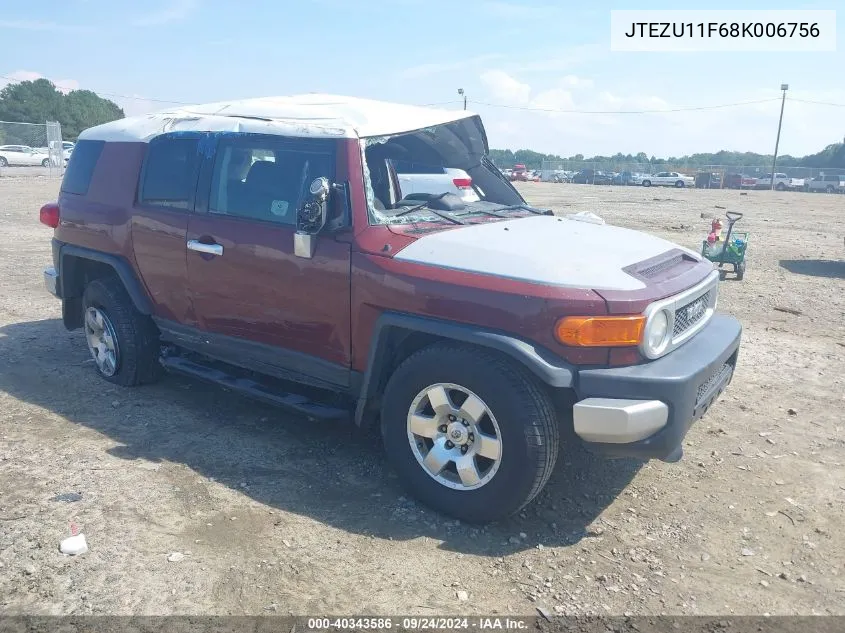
[601,331]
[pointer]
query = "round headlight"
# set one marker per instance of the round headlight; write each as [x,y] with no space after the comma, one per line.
[657,332]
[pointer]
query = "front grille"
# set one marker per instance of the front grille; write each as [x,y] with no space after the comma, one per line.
[690,314]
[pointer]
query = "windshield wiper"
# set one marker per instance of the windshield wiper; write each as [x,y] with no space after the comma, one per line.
[514,207]
[425,204]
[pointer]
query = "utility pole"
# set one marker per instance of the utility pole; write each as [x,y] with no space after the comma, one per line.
[783,87]
[463,94]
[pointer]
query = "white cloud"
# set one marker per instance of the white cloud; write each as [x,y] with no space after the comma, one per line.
[576,82]
[503,87]
[437,68]
[573,115]
[62,85]
[175,11]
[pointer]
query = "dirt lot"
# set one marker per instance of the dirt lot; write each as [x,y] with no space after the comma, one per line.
[276,515]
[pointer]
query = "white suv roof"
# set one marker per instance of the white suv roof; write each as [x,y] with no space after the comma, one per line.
[301,115]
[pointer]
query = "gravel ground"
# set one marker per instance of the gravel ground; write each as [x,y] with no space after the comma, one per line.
[271,514]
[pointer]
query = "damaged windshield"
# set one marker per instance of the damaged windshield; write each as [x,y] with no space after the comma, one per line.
[439,174]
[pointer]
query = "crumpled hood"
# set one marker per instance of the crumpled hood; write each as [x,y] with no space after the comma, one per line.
[543,249]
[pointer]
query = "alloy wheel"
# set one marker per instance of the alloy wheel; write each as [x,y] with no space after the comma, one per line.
[102,341]
[454,436]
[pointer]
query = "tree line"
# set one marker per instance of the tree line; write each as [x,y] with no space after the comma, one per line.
[832,156]
[39,101]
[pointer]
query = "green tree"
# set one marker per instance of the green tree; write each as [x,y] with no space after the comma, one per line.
[39,101]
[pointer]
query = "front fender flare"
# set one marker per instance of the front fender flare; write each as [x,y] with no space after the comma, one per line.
[550,369]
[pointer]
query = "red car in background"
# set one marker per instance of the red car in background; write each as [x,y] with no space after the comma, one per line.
[740,181]
[519,172]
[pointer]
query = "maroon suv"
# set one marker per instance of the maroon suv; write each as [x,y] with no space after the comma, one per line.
[265,245]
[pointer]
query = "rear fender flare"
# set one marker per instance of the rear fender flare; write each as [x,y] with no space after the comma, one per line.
[121,267]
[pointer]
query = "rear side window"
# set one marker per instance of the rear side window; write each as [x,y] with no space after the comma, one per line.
[170,172]
[80,167]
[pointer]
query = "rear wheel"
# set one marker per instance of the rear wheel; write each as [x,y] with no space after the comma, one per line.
[469,433]
[679,184]
[45,162]
[829,189]
[646,183]
[740,270]
[123,342]
[780,186]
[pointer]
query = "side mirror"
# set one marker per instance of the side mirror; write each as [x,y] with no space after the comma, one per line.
[311,218]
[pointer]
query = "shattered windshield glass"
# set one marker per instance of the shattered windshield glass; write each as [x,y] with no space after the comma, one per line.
[439,175]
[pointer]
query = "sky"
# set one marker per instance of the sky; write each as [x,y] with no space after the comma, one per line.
[519,63]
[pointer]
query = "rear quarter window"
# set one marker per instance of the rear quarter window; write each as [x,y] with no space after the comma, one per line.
[168,177]
[80,167]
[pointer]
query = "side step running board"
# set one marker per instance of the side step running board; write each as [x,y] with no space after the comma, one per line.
[247,387]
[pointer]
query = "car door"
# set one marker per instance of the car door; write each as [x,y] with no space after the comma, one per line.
[261,304]
[15,155]
[28,156]
[165,199]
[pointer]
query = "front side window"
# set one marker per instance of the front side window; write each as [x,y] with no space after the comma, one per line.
[267,178]
[170,172]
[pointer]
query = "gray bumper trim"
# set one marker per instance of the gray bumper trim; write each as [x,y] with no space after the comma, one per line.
[688,380]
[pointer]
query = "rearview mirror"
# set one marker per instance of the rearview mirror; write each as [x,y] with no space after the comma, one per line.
[311,218]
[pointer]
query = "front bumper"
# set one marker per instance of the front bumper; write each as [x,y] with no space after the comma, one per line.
[644,411]
[51,281]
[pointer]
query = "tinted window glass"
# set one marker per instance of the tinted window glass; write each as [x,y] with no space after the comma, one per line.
[267,179]
[169,173]
[80,167]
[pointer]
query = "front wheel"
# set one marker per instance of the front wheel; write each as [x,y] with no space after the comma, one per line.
[3,162]
[740,270]
[470,434]
[829,189]
[646,183]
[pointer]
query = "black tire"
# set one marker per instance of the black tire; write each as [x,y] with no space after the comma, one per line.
[680,184]
[740,271]
[137,338]
[829,189]
[530,434]
[45,162]
[3,162]
[780,187]
[646,183]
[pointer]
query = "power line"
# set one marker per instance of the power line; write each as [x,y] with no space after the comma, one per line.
[827,103]
[656,111]
[506,106]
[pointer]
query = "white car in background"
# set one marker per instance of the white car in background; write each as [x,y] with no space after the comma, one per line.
[420,178]
[668,179]
[23,156]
